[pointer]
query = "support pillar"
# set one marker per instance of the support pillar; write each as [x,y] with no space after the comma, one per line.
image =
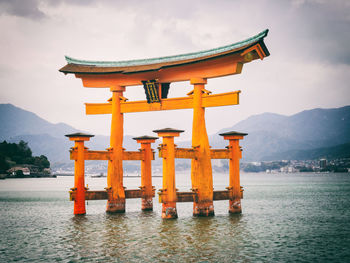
[234,179]
[168,193]
[201,170]
[115,188]
[146,172]
[79,171]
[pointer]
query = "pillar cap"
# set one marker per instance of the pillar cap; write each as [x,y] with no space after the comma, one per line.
[79,136]
[117,88]
[168,130]
[198,81]
[233,133]
[145,138]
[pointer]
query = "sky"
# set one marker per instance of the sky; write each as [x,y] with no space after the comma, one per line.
[309,65]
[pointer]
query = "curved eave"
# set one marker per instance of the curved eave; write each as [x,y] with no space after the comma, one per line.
[135,66]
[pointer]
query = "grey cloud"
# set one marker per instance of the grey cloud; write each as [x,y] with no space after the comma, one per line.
[72,2]
[27,8]
[325,26]
[30,8]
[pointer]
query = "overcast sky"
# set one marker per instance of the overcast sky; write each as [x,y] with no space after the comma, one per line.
[309,65]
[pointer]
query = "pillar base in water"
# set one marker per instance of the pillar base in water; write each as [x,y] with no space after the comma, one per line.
[79,209]
[147,204]
[203,208]
[79,203]
[235,206]
[169,210]
[116,206]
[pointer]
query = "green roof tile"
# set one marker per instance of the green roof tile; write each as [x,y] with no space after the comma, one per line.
[194,55]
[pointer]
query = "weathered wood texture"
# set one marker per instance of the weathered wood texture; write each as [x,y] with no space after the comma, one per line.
[190,153]
[192,196]
[106,155]
[103,195]
[215,100]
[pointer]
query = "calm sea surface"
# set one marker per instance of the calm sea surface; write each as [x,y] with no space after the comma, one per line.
[286,218]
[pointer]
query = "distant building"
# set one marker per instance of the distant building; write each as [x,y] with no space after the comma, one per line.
[291,169]
[288,169]
[323,163]
[47,171]
[284,169]
[13,170]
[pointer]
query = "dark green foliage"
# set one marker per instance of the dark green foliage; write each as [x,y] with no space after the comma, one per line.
[19,174]
[4,165]
[41,161]
[305,169]
[262,167]
[15,154]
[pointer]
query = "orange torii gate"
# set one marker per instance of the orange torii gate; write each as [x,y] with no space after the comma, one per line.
[156,75]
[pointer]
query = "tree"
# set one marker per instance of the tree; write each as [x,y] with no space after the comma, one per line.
[4,165]
[20,154]
[41,162]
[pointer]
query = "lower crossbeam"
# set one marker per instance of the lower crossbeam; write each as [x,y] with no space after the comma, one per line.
[103,195]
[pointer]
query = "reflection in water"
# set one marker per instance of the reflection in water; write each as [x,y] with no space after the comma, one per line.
[285,219]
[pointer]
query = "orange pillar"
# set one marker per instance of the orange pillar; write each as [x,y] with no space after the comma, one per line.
[146,172]
[115,188]
[234,184]
[79,171]
[168,193]
[201,170]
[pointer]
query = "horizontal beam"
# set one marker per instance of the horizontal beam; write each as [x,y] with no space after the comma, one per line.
[107,155]
[221,195]
[137,193]
[92,155]
[103,195]
[190,153]
[133,156]
[184,153]
[220,154]
[216,100]
[183,197]
[90,195]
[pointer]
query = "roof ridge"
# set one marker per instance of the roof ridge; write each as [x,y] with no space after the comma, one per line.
[173,58]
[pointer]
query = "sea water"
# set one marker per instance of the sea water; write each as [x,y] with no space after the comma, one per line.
[286,218]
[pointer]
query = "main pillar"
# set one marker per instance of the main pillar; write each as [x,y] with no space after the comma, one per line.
[168,193]
[79,171]
[201,170]
[234,184]
[115,188]
[146,172]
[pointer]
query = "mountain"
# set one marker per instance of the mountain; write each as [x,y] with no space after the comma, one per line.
[334,152]
[17,122]
[43,137]
[272,134]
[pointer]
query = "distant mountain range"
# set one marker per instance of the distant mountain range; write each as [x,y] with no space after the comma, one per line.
[334,152]
[270,136]
[44,137]
[273,135]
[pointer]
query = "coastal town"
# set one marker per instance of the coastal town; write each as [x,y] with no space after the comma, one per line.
[342,165]
[299,166]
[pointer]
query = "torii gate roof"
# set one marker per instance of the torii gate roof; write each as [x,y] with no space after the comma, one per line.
[77,66]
